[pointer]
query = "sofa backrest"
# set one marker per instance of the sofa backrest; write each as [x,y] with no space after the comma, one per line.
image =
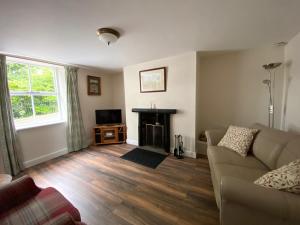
[290,153]
[269,145]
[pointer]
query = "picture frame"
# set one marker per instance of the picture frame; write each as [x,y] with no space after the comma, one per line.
[153,80]
[94,85]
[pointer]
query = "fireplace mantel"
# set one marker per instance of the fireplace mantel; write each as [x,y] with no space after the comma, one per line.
[148,110]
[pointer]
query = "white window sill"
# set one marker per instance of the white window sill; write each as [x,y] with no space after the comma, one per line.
[32,126]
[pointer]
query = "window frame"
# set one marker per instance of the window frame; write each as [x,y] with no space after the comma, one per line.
[34,122]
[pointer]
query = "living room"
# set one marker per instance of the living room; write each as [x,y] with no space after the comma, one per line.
[161,112]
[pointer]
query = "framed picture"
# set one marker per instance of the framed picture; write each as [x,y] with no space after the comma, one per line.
[94,85]
[153,80]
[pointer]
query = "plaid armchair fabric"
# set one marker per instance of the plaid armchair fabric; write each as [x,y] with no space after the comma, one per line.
[63,219]
[22,202]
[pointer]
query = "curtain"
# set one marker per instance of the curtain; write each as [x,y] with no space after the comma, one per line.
[76,136]
[9,147]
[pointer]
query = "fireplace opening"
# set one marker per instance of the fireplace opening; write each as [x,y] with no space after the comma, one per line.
[154,128]
[155,135]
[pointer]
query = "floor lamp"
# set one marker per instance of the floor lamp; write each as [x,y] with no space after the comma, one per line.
[271,87]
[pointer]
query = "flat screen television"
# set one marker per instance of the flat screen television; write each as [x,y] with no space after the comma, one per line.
[108,116]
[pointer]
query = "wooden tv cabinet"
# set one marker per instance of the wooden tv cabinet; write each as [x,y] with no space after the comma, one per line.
[110,134]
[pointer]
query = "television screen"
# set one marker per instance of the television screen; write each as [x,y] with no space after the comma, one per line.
[108,116]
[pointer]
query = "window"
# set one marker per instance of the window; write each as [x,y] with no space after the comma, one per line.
[34,90]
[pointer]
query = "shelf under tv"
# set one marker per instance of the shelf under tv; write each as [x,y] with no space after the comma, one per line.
[109,134]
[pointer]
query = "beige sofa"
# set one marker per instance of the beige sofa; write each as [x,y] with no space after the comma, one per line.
[241,202]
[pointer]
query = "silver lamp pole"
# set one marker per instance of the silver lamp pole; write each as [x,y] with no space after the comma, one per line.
[271,87]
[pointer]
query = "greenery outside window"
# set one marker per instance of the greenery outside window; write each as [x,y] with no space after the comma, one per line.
[34,90]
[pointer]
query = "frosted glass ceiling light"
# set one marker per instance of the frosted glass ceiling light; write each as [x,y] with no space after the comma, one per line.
[108,35]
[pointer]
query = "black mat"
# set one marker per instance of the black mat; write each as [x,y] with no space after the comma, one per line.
[144,157]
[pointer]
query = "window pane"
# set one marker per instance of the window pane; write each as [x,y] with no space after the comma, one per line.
[45,105]
[18,79]
[21,106]
[42,78]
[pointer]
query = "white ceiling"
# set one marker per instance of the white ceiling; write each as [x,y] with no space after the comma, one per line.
[65,30]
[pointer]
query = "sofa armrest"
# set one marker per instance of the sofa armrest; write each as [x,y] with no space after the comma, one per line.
[16,192]
[214,136]
[63,219]
[249,197]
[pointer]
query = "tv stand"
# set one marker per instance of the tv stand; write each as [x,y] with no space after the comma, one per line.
[110,134]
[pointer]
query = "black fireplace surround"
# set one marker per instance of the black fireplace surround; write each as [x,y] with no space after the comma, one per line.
[154,127]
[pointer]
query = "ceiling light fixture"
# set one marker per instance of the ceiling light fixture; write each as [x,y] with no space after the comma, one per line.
[280,44]
[108,35]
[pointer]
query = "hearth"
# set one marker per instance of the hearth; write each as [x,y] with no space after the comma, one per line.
[154,128]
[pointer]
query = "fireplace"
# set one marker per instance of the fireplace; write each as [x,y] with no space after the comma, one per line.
[154,127]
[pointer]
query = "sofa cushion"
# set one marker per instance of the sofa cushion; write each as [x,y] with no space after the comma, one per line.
[239,139]
[41,208]
[245,173]
[223,155]
[286,178]
[269,143]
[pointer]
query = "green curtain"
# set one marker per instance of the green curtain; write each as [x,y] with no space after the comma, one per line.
[9,147]
[76,136]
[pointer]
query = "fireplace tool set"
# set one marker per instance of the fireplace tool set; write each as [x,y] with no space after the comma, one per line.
[178,150]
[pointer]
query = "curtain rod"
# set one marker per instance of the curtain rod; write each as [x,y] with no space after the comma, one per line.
[55,63]
[37,60]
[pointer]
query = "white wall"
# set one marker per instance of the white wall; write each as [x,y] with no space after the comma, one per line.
[291,102]
[90,103]
[119,94]
[180,95]
[230,88]
[43,143]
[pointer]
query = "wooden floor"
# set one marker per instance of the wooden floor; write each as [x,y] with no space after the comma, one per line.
[108,190]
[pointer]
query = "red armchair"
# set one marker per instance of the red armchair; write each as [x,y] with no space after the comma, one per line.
[22,202]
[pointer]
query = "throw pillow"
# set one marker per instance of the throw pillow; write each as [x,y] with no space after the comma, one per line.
[286,178]
[239,139]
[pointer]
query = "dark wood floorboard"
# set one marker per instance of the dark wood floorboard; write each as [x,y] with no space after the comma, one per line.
[108,190]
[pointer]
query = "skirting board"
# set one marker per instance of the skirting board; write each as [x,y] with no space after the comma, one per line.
[189,154]
[45,158]
[132,142]
[186,153]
